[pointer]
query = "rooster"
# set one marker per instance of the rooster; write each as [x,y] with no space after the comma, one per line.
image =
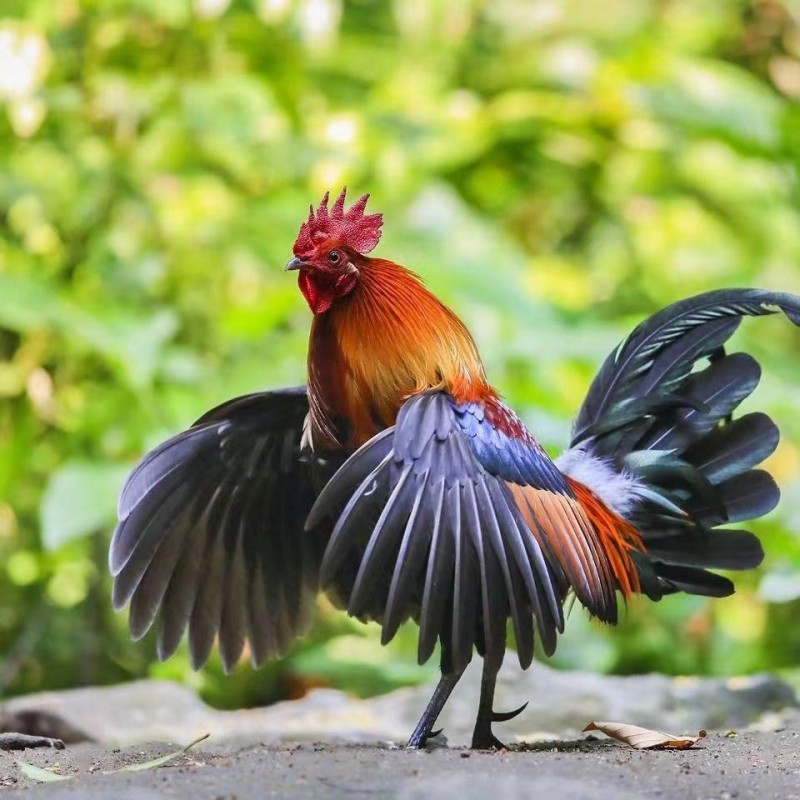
[400,483]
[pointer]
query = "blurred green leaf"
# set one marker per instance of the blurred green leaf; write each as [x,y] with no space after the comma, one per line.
[718,99]
[80,499]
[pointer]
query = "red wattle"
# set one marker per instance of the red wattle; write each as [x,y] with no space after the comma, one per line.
[318,294]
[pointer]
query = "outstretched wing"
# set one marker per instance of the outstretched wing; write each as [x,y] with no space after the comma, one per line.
[210,534]
[447,519]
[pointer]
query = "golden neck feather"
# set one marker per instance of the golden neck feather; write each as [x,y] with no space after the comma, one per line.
[389,339]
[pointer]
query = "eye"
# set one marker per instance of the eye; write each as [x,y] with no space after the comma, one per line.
[334,257]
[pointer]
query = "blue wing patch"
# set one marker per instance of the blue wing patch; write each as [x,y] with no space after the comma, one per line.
[517,459]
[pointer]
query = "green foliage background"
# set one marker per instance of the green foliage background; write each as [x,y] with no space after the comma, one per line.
[555,169]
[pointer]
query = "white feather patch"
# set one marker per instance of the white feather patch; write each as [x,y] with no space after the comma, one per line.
[617,489]
[307,440]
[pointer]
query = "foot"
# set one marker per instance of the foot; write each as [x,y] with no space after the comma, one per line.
[420,738]
[422,733]
[482,736]
[486,740]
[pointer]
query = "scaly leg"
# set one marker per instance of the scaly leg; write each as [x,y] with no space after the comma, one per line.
[440,694]
[482,736]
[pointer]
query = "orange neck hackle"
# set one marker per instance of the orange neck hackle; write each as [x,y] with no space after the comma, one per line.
[389,339]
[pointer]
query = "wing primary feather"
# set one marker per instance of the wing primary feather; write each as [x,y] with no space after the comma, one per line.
[338,543]
[232,626]
[139,534]
[463,605]
[515,590]
[370,572]
[415,537]
[259,635]
[158,525]
[528,557]
[207,611]
[438,579]
[146,593]
[495,576]
[182,591]
[157,466]
[368,458]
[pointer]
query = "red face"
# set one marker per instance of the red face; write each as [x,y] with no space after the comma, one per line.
[325,276]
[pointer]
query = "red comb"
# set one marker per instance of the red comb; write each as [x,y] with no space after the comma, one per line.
[351,228]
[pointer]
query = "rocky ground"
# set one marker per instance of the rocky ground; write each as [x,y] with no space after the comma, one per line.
[330,745]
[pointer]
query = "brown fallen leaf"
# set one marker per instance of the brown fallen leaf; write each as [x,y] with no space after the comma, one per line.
[644,738]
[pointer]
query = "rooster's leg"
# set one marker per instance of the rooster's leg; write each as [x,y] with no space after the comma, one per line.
[482,736]
[440,694]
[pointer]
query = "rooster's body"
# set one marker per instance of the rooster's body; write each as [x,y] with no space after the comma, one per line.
[400,483]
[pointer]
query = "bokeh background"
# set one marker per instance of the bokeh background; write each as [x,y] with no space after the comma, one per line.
[556,169]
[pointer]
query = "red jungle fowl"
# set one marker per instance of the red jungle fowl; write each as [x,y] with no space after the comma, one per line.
[399,483]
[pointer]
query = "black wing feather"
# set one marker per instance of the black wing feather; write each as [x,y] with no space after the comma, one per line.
[424,530]
[438,577]
[210,534]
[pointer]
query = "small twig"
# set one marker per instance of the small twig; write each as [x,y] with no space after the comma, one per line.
[21,741]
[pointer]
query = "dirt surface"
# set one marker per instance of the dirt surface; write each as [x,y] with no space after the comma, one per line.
[747,765]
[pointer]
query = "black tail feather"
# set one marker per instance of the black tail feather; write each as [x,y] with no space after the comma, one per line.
[656,416]
[749,495]
[692,581]
[716,549]
[729,449]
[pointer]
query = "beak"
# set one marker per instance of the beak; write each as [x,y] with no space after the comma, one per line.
[296,263]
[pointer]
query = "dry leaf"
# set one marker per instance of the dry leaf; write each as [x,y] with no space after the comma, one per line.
[644,738]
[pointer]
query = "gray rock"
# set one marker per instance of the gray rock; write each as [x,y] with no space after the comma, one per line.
[560,704]
[144,711]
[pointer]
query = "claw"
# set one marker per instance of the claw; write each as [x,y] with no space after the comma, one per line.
[487,741]
[505,716]
[419,740]
[416,742]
